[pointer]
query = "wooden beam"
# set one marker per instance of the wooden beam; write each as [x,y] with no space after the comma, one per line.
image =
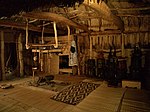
[132,15]
[122,45]
[101,33]
[103,10]
[40,45]
[47,51]
[131,9]
[20,51]
[91,48]
[2,55]
[54,17]
[111,32]
[1,73]
[23,26]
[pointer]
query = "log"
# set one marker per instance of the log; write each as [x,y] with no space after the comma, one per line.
[54,17]
[2,56]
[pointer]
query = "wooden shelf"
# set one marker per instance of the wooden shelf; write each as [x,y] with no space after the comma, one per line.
[48,51]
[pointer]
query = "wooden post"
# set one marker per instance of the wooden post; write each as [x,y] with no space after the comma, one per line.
[56,38]
[43,33]
[20,50]
[27,28]
[90,47]
[68,35]
[79,57]
[0,67]
[122,45]
[2,56]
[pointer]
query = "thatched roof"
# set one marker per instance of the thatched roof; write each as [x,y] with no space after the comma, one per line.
[11,7]
[75,18]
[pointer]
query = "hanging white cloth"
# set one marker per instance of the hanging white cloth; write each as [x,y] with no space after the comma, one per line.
[73,60]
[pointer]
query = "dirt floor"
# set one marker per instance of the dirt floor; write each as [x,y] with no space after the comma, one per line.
[23,97]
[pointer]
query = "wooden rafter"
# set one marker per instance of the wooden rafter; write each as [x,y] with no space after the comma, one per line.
[23,26]
[112,32]
[131,9]
[54,17]
[103,10]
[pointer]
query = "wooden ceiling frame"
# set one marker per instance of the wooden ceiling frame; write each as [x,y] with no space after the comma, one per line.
[55,17]
[105,13]
[12,24]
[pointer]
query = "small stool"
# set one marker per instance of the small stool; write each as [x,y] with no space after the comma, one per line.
[33,73]
[131,84]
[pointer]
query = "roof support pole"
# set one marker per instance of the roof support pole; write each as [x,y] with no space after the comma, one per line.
[43,33]
[27,27]
[91,47]
[2,55]
[56,38]
[20,52]
[122,45]
[68,34]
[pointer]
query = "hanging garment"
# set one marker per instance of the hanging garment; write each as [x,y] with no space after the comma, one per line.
[73,60]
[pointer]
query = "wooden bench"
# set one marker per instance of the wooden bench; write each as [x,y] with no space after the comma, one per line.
[68,71]
[131,84]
